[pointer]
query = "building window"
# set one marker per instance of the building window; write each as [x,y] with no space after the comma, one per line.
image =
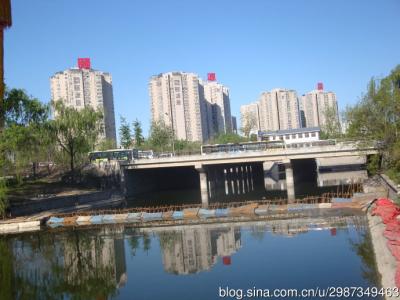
[313,134]
[281,137]
[176,82]
[287,137]
[178,102]
[77,87]
[76,80]
[293,136]
[78,102]
[307,135]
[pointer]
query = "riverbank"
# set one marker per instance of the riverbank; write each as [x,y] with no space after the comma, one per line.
[385,261]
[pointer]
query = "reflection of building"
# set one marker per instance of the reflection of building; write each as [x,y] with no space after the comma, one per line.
[194,249]
[95,256]
[84,87]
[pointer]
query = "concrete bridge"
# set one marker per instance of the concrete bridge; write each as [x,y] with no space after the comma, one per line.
[234,173]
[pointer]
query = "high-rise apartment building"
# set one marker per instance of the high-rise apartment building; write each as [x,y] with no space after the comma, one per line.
[84,87]
[250,116]
[196,110]
[218,107]
[279,110]
[314,105]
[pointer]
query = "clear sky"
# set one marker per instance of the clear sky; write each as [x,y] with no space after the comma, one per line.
[252,45]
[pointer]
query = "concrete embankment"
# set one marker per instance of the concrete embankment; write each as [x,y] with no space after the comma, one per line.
[63,203]
[31,216]
[385,261]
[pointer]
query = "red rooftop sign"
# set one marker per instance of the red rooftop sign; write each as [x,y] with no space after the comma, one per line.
[211,77]
[320,86]
[84,63]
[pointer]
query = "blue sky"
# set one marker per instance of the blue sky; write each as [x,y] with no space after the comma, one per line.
[252,45]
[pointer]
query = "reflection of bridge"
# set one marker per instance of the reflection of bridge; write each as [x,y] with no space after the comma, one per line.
[234,173]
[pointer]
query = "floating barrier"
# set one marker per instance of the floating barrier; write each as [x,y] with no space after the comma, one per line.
[261,210]
[190,213]
[55,222]
[324,205]
[206,213]
[177,215]
[167,215]
[146,216]
[70,220]
[243,210]
[120,218]
[132,217]
[221,212]
[108,219]
[96,219]
[82,220]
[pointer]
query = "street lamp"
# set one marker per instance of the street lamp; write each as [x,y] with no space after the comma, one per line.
[173,133]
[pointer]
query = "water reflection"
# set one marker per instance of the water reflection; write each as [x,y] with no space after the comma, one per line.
[118,261]
[193,250]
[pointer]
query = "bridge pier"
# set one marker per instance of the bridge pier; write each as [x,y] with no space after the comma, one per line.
[203,186]
[289,181]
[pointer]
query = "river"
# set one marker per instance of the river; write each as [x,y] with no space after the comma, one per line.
[187,262]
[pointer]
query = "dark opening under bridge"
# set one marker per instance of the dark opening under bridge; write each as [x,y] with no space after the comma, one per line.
[233,173]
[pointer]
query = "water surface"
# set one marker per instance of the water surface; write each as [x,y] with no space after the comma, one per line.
[187,262]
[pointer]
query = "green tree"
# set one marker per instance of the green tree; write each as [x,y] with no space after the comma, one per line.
[138,133]
[249,122]
[5,21]
[331,127]
[75,131]
[376,117]
[160,135]
[25,139]
[226,138]
[125,134]
[105,144]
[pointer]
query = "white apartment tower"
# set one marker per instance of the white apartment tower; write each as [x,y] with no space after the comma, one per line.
[84,87]
[249,113]
[218,107]
[279,110]
[177,100]
[313,107]
[196,110]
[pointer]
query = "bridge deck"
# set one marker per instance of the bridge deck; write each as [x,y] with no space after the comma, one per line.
[338,150]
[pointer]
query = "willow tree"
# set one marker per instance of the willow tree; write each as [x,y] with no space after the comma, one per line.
[76,131]
[5,21]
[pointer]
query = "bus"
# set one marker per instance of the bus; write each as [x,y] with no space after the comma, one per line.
[242,147]
[113,155]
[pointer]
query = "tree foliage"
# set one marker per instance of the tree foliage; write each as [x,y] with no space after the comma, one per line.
[376,117]
[75,131]
[125,134]
[249,122]
[138,133]
[331,127]
[226,138]
[161,136]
